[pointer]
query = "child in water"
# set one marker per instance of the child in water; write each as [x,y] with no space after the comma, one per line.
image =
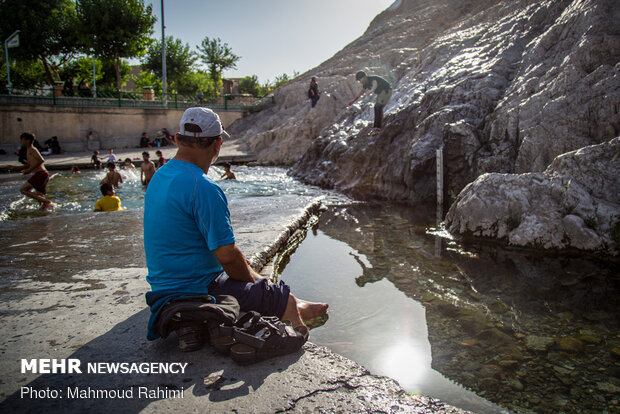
[109,201]
[228,174]
[113,177]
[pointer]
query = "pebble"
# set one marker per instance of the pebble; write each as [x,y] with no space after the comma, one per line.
[589,337]
[515,385]
[538,343]
[569,344]
[607,387]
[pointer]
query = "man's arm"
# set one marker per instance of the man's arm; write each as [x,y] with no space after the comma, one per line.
[357,97]
[235,264]
[375,84]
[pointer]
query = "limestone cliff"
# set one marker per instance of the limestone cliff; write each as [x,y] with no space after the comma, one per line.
[501,86]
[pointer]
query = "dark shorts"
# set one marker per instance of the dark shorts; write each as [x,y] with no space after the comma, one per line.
[39,181]
[263,297]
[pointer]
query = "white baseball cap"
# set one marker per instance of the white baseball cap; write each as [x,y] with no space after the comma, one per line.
[201,122]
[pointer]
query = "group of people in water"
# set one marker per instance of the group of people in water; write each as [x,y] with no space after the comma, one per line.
[36,186]
[32,157]
[113,178]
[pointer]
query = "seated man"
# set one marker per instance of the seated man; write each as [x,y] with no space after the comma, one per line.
[144,141]
[184,205]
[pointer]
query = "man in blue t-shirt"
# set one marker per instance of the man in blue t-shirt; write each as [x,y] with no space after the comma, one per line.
[188,237]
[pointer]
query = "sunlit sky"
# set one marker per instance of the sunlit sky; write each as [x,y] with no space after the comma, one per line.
[271,36]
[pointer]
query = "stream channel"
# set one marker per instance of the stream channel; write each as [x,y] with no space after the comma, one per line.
[480,327]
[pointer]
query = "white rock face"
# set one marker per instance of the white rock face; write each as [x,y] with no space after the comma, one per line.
[575,203]
[502,86]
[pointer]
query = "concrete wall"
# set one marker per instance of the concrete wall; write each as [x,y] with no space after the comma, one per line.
[111,127]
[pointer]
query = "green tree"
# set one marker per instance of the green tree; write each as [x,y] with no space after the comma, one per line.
[180,60]
[283,78]
[195,81]
[49,31]
[217,57]
[82,68]
[250,85]
[25,74]
[148,78]
[115,29]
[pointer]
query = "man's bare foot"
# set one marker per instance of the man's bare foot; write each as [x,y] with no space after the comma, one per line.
[47,205]
[309,310]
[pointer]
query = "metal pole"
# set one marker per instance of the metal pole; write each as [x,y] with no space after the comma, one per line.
[439,185]
[163,55]
[8,67]
[94,79]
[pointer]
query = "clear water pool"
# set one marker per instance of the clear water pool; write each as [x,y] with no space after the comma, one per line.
[479,327]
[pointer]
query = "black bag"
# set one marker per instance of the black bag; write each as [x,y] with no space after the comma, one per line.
[200,311]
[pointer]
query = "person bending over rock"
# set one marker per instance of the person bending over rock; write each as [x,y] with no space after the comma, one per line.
[383,90]
[183,205]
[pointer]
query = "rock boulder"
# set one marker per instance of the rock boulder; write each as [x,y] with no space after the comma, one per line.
[574,203]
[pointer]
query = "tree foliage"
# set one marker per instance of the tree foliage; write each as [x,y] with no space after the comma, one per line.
[195,81]
[180,60]
[250,85]
[48,31]
[105,72]
[217,57]
[115,29]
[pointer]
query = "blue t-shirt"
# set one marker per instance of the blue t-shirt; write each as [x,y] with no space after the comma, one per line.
[186,217]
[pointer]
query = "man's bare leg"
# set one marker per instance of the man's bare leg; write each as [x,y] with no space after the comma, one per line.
[309,310]
[25,190]
[291,313]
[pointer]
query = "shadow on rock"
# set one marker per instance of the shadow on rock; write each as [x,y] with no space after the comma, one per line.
[206,374]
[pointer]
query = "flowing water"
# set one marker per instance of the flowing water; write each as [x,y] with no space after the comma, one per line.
[476,326]
[479,327]
[54,245]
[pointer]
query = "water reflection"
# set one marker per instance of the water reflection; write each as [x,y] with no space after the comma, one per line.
[524,331]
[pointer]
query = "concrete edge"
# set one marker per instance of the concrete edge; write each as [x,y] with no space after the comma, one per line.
[260,259]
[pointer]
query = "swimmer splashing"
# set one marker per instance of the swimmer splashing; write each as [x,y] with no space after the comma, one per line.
[39,179]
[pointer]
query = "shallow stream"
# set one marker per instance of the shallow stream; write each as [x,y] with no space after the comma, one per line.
[479,327]
[523,331]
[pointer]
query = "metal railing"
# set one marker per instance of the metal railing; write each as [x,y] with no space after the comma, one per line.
[128,99]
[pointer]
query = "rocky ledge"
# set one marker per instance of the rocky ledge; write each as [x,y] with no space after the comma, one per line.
[574,203]
[503,87]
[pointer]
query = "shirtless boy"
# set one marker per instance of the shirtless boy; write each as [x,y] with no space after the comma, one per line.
[113,177]
[160,159]
[147,169]
[34,164]
[228,173]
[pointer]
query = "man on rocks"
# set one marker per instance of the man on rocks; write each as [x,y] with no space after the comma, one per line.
[383,90]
